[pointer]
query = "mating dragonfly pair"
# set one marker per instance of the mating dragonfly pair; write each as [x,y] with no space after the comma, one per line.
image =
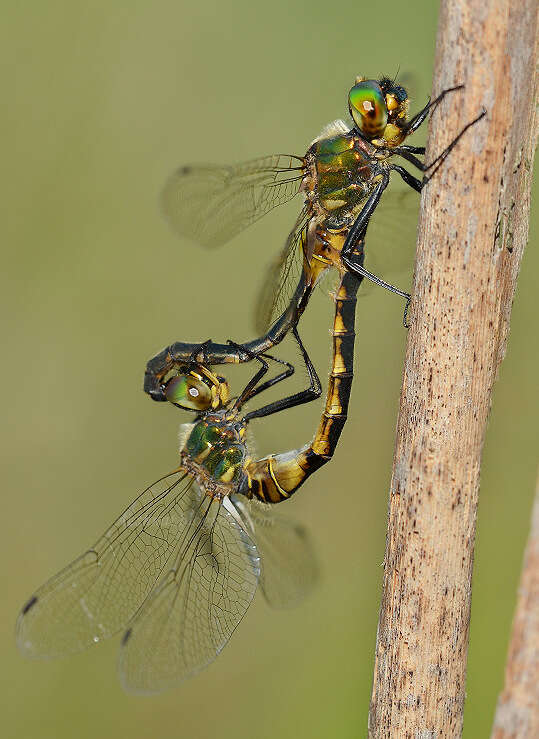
[178,569]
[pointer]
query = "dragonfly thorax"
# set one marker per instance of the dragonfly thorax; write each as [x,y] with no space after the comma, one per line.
[339,170]
[215,454]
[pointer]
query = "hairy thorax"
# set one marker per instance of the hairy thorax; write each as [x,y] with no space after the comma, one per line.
[339,174]
[339,171]
[215,454]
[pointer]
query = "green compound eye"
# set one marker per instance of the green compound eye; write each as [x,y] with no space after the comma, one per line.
[188,392]
[368,108]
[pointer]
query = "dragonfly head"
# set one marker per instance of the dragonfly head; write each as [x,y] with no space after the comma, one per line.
[196,388]
[379,109]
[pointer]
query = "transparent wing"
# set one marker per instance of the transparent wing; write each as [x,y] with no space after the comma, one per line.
[289,567]
[98,593]
[193,612]
[282,276]
[211,204]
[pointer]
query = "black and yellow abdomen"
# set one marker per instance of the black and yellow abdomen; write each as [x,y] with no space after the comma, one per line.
[276,477]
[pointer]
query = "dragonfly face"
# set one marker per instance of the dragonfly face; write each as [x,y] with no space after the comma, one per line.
[343,166]
[379,110]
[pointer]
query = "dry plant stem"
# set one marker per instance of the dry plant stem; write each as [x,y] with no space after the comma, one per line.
[517,713]
[472,232]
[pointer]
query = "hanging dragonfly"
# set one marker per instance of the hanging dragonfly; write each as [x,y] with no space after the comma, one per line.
[342,177]
[178,569]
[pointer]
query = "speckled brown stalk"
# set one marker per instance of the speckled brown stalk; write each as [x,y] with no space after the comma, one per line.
[517,712]
[473,229]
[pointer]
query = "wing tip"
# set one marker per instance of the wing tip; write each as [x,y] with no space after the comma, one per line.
[30,603]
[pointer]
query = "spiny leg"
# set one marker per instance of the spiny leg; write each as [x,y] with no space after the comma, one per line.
[288,372]
[253,382]
[438,161]
[255,390]
[419,118]
[357,231]
[305,396]
[360,225]
[406,152]
[352,257]
[415,183]
[357,268]
[410,149]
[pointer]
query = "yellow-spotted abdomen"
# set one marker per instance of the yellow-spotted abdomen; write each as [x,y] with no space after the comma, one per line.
[275,478]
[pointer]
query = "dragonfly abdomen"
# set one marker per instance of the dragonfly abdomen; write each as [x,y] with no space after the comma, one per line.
[277,477]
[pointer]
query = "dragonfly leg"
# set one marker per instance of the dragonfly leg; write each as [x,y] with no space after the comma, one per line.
[411,149]
[305,396]
[405,314]
[410,157]
[288,372]
[358,269]
[418,118]
[356,233]
[407,152]
[438,161]
[355,266]
[352,252]
[409,178]
[255,379]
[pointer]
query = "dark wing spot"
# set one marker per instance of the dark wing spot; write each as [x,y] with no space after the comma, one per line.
[26,607]
[126,637]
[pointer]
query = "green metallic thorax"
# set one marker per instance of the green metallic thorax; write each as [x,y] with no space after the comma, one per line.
[215,453]
[342,172]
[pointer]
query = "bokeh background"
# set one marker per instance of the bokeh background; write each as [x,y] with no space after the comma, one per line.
[100,101]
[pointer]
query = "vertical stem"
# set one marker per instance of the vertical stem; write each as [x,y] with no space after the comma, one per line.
[517,712]
[472,232]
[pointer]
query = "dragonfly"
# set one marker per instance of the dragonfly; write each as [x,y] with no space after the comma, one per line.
[178,569]
[342,177]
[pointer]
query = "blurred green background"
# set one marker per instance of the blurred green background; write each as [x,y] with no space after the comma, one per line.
[100,102]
